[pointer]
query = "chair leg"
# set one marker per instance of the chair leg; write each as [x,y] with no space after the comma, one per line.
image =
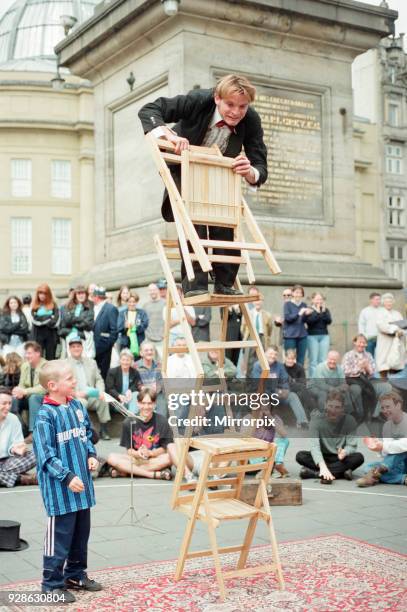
[184,547]
[216,560]
[247,542]
[276,556]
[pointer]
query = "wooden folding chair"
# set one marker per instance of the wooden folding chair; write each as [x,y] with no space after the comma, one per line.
[199,502]
[210,195]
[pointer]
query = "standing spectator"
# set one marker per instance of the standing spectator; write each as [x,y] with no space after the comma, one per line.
[390,347]
[277,382]
[233,331]
[162,287]
[263,323]
[294,330]
[90,386]
[131,325]
[201,329]
[77,320]
[180,365]
[29,393]
[333,450]
[392,467]
[105,329]
[122,297]
[124,382]
[91,289]
[45,314]
[15,458]
[13,326]
[154,309]
[210,364]
[279,320]
[26,300]
[367,323]
[318,336]
[175,324]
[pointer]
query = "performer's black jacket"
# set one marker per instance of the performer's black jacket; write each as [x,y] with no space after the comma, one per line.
[192,114]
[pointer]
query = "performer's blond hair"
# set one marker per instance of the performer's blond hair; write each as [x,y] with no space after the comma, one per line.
[234,83]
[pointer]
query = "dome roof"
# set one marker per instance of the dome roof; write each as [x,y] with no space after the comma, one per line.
[30,29]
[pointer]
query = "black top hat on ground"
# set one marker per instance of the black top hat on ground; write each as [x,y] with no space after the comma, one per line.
[10,536]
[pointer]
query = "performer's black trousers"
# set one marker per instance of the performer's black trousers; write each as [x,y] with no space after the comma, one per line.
[222,273]
[334,465]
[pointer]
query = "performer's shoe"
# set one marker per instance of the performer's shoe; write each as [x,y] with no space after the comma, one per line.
[222,289]
[85,584]
[195,293]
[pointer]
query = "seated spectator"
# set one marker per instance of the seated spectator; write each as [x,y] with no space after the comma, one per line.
[15,458]
[151,376]
[391,345]
[294,330]
[124,382]
[367,321]
[298,381]
[131,325]
[10,373]
[318,335]
[277,382]
[330,375]
[45,317]
[77,320]
[13,327]
[146,439]
[263,323]
[90,386]
[175,324]
[210,364]
[359,368]
[392,467]
[333,448]
[180,365]
[272,433]
[29,393]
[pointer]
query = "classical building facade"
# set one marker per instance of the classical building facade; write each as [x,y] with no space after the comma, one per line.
[46,152]
[380,97]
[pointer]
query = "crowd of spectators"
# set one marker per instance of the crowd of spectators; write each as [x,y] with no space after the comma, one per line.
[117,350]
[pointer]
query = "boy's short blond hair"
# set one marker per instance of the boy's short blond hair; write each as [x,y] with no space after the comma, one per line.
[52,370]
[234,83]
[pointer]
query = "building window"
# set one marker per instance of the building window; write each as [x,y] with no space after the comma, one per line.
[394,159]
[21,178]
[21,245]
[395,211]
[61,186]
[394,114]
[61,246]
[396,262]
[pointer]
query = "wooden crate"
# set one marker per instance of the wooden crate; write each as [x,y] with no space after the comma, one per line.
[280,491]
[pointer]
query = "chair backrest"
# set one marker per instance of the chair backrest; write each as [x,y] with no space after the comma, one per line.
[210,189]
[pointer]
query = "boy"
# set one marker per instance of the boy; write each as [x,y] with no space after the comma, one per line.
[222,116]
[65,455]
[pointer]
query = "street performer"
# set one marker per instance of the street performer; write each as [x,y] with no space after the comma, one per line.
[221,116]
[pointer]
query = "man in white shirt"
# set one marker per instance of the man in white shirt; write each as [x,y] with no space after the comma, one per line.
[367,323]
[392,469]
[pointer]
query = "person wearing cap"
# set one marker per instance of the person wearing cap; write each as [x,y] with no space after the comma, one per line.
[162,287]
[90,386]
[105,329]
[221,116]
[77,319]
[15,457]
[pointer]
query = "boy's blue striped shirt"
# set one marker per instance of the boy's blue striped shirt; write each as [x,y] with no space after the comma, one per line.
[62,446]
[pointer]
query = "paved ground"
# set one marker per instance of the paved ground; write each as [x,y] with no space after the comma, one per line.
[377,515]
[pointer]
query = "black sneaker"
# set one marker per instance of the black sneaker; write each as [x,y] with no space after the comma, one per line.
[62,596]
[221,289]
[85,584]
[348,475]
[308,473]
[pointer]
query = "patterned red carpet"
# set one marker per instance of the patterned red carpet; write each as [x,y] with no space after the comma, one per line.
[325,574]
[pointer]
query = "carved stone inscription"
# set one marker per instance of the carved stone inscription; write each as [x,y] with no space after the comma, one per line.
[293,135]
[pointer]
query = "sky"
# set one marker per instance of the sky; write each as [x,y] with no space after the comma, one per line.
[398,5]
